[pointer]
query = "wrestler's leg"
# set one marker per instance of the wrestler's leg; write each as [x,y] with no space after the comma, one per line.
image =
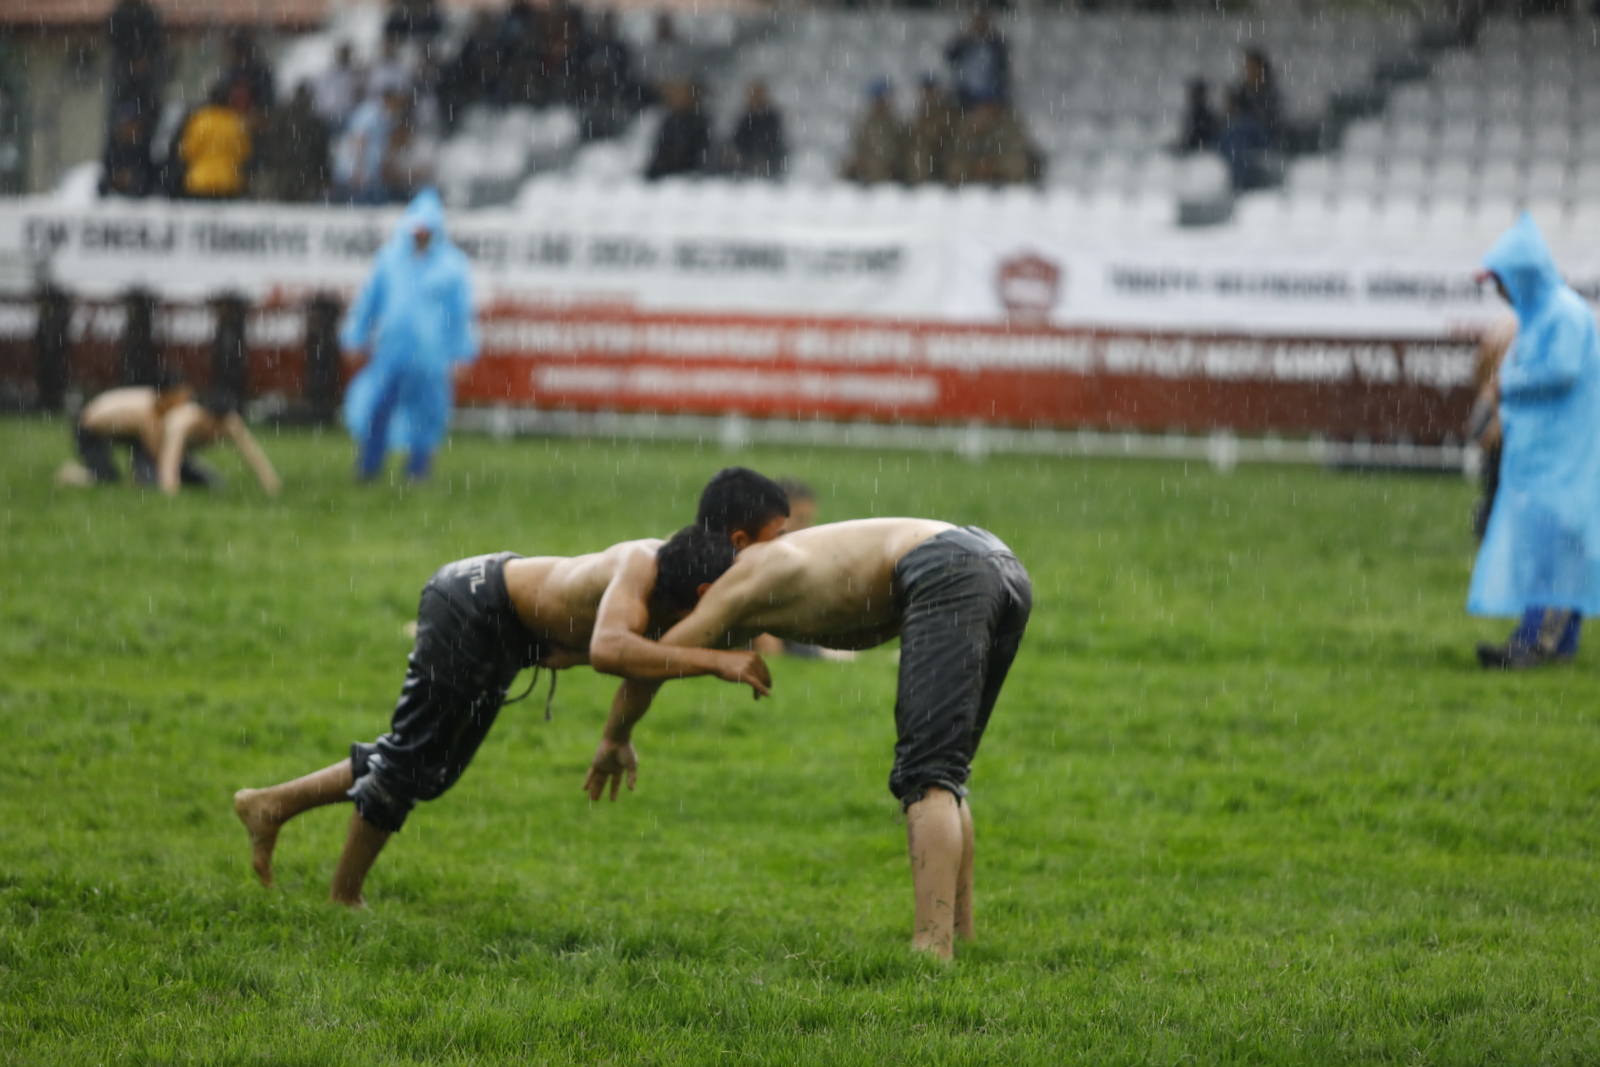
[264,811]
[936,843]
[965,931]
[361,847]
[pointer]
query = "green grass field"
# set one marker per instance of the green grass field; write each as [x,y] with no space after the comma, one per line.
[1246,799]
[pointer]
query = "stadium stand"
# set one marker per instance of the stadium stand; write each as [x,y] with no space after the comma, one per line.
[1511,123]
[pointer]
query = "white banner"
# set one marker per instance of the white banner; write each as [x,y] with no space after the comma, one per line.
[1190,285]
[190,251]
[1179,281]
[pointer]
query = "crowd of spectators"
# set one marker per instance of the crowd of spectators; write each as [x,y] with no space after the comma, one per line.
[967,134]
[351,134]
[371,133]
[754,148]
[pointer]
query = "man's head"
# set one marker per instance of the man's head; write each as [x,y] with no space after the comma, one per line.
[686,566]
[802,504]
[757,98]
[1256,68]
[172,390]
[220,402]
[742,506]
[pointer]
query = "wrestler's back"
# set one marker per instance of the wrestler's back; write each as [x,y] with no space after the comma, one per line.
[558,597]
[120,412]
[834,579]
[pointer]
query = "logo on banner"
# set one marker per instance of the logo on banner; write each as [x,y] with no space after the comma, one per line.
[1029,287]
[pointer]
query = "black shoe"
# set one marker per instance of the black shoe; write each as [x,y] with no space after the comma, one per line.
[1515,656]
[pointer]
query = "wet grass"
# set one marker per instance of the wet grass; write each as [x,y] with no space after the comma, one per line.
[1246,798]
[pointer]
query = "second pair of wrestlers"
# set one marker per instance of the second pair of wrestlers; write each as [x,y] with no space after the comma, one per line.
[650,612]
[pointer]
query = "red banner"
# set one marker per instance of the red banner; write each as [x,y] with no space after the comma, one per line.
[621,360]
[615,358]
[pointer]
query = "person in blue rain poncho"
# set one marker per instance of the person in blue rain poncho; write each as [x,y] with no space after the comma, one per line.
[414,321]
[1540,558]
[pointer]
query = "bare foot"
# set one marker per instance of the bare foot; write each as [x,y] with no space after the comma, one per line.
[262,825]
[74,475]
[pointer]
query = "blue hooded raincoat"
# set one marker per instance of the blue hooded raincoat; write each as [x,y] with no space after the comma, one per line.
[415,314]
[1542,548]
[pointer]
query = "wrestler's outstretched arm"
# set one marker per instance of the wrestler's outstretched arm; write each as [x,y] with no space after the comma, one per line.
[179,425]
[619,646]
[253,454]
[615,758]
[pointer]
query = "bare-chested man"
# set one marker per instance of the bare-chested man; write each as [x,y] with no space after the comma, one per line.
[959,601]
[161,427]
[481,621]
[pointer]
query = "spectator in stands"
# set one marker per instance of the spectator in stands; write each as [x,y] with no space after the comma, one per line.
[991,147]
[391,73]
[138,45]
[1540,557]
[608,96]
[878,145]
[135,108]
[980,62]
[757,148]
[683,146]
[930,134]
[215,148]
[358,160]
[413,20]
[246,80]
[138,52]
[1254,124]
[291,156]
[409,159]
[425,110]
[565,39]
[338,89]
[474,75]
[668,59]
[522,72]
[1200,124]
[126,169]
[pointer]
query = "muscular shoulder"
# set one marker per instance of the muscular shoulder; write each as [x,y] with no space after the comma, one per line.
[769,565]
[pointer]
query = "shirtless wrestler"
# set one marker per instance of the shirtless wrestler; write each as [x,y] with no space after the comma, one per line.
[161,428]
[480,622]
[959,601]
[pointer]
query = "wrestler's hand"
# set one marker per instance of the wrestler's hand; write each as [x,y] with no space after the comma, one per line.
[743,667]
[611,762]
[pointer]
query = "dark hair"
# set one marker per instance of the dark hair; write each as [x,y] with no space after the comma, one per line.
[692,557]
[220,403]
[737,498]
[795,489]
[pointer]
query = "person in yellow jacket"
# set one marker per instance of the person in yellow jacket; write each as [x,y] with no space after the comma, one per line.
[215,149]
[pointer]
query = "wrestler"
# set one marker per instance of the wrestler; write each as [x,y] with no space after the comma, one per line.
[959,601]
[161,427]
[480,622]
